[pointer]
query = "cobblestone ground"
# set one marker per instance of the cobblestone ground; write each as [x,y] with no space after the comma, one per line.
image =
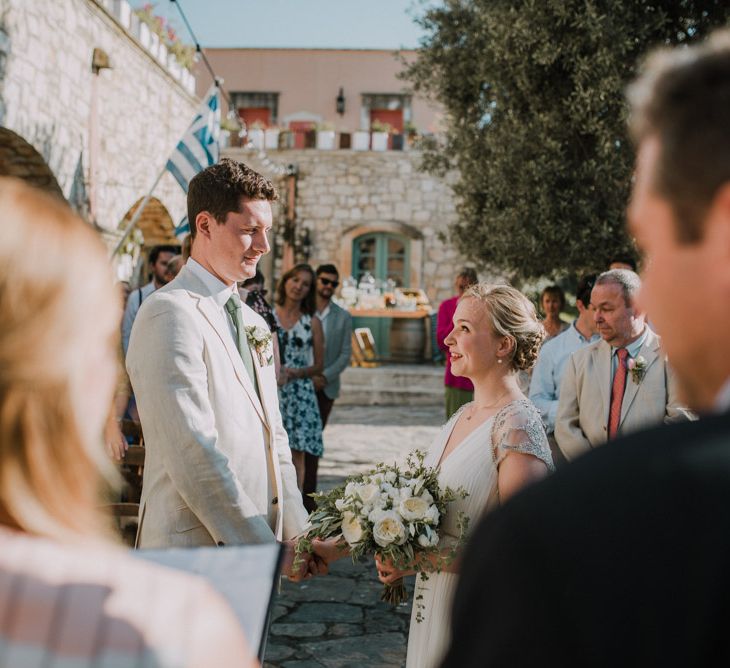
[338,621]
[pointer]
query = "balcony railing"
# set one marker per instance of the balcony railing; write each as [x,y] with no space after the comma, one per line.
[274,139]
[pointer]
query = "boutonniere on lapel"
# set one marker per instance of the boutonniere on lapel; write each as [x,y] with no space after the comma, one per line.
[637,368]
[260,340]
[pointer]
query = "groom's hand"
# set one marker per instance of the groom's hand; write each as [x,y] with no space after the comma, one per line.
[309,565]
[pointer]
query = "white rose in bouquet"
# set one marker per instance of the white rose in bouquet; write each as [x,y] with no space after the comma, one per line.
[350,489]
[340,504]
[388,529]
[351,528]
[413,508]
[367,493]
[390,477]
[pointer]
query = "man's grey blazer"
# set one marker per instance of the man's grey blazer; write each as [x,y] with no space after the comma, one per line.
[337,347]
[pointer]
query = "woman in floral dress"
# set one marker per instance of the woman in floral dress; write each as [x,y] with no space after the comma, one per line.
[301,345]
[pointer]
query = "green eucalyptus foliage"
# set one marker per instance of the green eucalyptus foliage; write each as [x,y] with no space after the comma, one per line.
[536,121]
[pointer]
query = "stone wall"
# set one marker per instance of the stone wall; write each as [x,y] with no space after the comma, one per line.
[104,136]
[344,194]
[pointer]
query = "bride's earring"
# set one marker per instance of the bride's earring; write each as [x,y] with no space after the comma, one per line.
[499,360]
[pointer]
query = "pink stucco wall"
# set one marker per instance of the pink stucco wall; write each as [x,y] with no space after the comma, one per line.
[308,81]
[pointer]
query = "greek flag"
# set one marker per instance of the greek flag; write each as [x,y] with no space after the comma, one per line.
[198,148]
[183,228]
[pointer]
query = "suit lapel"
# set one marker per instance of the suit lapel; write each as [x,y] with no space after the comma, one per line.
[602,363]
[258,371]
[213,315]
[650,352]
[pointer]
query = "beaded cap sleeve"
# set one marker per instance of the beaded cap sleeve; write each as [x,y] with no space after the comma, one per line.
[518,427]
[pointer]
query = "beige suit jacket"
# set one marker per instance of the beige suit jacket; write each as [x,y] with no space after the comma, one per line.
[218,467]
[585,396]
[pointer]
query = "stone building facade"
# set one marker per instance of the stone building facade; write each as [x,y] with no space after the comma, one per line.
[346,196]
[91,106]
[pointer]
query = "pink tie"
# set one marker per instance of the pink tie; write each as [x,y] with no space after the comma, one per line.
[617,392]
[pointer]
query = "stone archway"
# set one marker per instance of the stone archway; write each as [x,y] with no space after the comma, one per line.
[19,159]
[157,228]
[155,223]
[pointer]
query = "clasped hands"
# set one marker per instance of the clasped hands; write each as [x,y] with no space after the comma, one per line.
[324,552]
[315,563]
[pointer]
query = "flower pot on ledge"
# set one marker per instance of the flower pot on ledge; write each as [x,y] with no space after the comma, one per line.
[379,141]
[325,140]
[271,139]
[361,140]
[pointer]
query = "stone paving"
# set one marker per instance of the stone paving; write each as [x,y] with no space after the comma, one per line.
[338,621]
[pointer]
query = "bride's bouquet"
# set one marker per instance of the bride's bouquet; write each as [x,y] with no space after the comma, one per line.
[393,511]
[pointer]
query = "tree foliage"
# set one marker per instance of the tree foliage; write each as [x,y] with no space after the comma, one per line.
[535,114]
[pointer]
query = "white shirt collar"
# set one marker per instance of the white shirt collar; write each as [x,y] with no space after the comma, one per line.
[220,292]
[323,314]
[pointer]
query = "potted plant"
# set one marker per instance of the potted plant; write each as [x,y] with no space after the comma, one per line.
[256,135]
[286,140]
[411,133]
[229,128]
[361,140]
[325,137]
[380,134]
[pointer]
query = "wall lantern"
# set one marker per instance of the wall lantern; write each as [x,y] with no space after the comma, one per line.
[341,102]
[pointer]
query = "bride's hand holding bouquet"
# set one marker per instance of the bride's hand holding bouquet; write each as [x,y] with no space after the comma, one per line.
[390,511]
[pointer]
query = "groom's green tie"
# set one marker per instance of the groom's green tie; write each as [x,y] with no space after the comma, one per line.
[233,306]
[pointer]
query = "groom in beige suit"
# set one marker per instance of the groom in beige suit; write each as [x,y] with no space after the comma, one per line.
[619,384]
[218,468]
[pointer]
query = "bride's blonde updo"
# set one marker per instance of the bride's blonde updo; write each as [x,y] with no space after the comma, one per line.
[512,315]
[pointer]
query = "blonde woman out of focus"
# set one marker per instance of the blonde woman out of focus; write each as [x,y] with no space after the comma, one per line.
[70,595]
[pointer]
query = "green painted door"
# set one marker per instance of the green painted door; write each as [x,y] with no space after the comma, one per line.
[385,256]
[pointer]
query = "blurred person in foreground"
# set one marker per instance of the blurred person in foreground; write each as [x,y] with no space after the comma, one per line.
[621,558]
[71,596]
[218,469]
[458,390]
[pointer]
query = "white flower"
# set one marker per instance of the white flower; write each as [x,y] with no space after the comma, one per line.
[433,514]
[340,504]
[351,528]
[388,528]
[367,493]
[390,477]
[413,508]
[405,492]
[426,496]
[350,489]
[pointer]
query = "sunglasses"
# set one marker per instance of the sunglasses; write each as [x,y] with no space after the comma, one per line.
[327,281]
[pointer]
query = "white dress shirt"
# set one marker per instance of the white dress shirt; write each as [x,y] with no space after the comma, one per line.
[220,291]
[548,372]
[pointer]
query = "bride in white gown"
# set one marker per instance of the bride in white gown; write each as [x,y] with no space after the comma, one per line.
[491,447]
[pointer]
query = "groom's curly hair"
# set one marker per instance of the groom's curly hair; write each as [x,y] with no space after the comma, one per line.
[219,189]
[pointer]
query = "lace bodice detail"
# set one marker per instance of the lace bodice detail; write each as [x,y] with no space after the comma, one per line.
[518,427]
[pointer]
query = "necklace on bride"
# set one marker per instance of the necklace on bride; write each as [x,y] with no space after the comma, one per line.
[476,408]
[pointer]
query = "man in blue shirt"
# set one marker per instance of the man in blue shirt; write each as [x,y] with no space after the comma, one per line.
[548,371]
